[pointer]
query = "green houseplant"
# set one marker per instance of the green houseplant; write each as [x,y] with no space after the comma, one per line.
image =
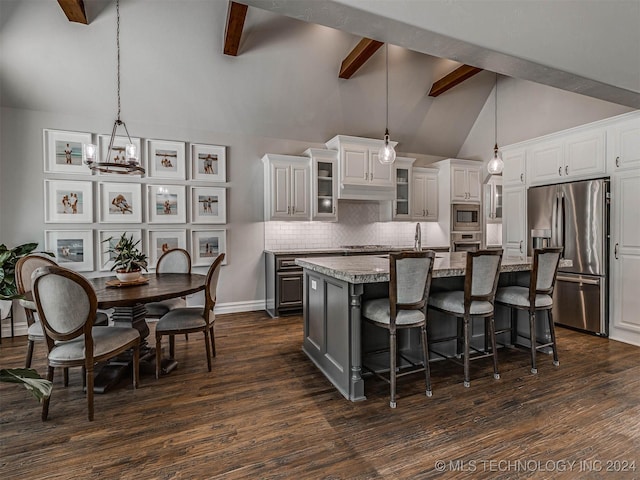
[128,260]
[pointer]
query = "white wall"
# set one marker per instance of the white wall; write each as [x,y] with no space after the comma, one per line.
[528,110]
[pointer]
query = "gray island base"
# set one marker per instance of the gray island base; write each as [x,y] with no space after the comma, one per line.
[335,336]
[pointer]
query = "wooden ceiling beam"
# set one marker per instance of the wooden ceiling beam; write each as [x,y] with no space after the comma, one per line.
[456,77]
[74,10]
[236,14]
[358,57]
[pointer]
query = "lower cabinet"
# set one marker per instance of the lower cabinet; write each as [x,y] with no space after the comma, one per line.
[283,285]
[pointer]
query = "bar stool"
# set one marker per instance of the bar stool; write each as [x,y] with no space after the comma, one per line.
[538,296]
[406,307]
[476,300]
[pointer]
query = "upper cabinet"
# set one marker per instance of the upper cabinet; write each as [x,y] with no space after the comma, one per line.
[324,184]
[493,200]
[624,144]
[424,194]
[287,187]
[567,157]
[465,184]
[361,175]
[514,172]
[402,173]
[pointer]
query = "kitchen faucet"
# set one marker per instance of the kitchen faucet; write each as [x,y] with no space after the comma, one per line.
[418,238]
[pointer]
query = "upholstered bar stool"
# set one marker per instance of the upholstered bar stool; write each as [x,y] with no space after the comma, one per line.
[538,296]
[476,300]
[406,307]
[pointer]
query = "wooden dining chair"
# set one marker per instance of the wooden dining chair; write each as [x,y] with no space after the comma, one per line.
[192,319]
[67,305]
[25,266]
[176,260]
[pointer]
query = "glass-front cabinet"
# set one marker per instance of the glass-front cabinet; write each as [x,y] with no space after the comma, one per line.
[493,200]
[324,180]
[402,177]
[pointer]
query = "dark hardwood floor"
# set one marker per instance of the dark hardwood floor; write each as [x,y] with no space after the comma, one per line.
[266,412]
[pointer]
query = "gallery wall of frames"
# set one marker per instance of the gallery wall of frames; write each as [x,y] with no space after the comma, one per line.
[181,200]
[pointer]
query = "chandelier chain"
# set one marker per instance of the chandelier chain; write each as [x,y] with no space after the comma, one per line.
[118,52]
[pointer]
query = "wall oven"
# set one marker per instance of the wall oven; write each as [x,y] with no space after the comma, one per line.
[465,217]
[465,242]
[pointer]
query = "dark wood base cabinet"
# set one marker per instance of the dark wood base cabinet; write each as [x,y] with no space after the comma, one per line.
[283,284]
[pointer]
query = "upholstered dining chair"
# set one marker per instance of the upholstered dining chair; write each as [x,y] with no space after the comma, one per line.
[67,305]
[406,307]
[536,297]
[476,300]
[176,260]
[25,266]
[192,319]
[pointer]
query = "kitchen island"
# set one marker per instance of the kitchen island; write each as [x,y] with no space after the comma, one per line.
[334,289]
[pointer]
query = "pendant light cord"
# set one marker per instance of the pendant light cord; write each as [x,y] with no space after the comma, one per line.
[386,63]
[496,114]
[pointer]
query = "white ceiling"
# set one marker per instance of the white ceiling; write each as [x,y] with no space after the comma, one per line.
[284,84]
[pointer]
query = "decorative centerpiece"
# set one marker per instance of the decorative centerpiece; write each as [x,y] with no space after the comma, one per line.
[128,261]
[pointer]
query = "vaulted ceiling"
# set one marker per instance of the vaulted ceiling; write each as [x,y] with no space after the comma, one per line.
[285,74]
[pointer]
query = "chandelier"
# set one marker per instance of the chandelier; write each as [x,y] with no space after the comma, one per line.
[127,164]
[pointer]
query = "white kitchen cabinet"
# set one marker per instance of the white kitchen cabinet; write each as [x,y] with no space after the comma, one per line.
[493,200]
[465,183]
[424,194]
[324,184]
[567,157]
[624,321]
[402,173]
[514,226]
[361,175]
[624,140]
[514,172]
[287,182]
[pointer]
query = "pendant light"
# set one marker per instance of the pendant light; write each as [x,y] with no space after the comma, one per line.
[128,163]
[387,154]
[496,164]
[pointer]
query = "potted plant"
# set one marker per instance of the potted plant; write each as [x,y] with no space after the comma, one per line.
[128,260]
[8,260]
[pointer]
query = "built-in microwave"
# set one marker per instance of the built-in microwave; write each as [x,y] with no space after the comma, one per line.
[465,217]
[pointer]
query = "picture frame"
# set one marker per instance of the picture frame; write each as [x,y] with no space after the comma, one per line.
[62,151]
[68,201]
[161,240]
[73,248]
[117,153]
[105,261]
[165,159]
[206,245]
[167,204]
[208,205]
[208,162]
[120,202]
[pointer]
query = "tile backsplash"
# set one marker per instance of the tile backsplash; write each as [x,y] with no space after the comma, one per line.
[358,224]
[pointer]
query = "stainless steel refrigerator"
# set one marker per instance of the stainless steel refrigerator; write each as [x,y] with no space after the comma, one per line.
[575,215]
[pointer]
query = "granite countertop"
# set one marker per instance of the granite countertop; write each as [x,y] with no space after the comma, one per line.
[344,250]
[373,269]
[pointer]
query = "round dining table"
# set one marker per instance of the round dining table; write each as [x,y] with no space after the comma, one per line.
[128,304]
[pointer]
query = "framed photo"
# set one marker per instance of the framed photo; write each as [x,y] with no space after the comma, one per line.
[208,205]
[117,151]
[206,245]
[63,151]
[73,249]
[167,204]
[159,241]
[68,201]
[109,238]
[165,159]
[120,202]
[208,162]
